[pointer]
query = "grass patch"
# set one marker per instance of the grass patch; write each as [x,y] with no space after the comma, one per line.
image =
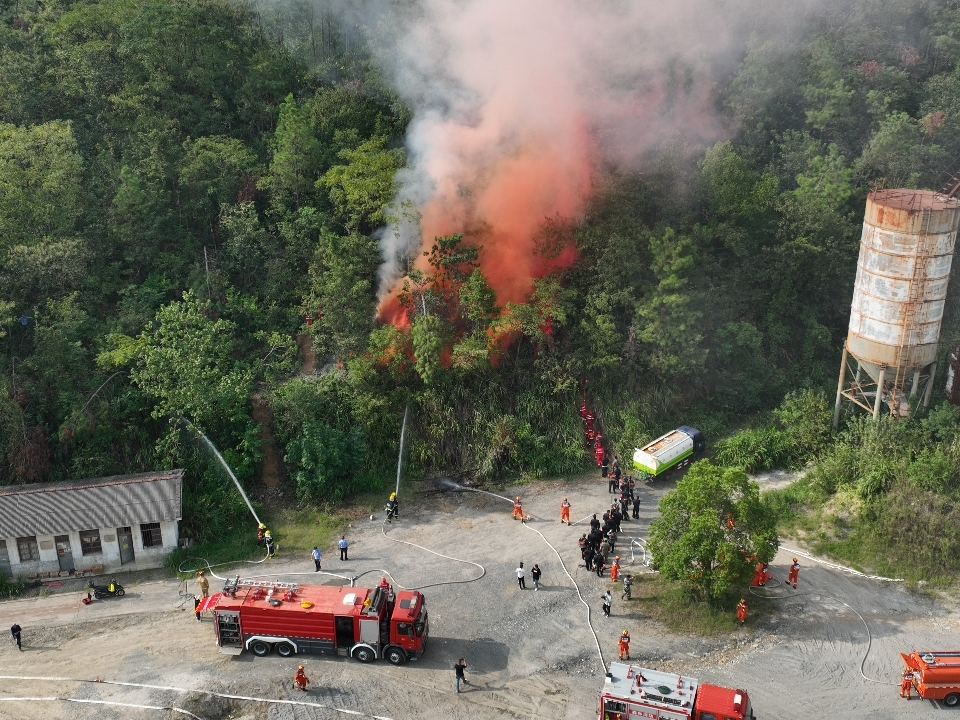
[298,531]
[10,587]
[236,546]
[672,604]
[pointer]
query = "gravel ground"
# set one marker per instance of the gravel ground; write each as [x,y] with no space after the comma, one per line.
[530,654]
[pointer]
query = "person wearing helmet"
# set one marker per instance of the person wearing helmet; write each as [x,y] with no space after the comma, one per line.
[615,569]
[624,644]
[268,541]
[565,512]
[301,679]
[203,584]
[261,535]
[742,611]
[518,509]
[794,574]
[393,508]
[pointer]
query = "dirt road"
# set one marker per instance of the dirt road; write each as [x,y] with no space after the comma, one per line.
[530,654]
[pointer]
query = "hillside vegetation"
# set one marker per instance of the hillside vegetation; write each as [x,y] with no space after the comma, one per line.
[182,183]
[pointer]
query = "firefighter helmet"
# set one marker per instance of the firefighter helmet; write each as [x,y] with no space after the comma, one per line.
[300,668]
[795,560]
[267,533]
[518,497]
[200,573]
[624,633]
[617,557]
[262,526]
[393,496]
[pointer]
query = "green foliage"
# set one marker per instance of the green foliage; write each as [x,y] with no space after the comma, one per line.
[10,588]
[325,458]
[667,322]
[752,450]
[799,430]
[712,531]
[41,194]
[363,187]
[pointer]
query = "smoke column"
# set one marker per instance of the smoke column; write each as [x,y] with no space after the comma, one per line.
[517,104]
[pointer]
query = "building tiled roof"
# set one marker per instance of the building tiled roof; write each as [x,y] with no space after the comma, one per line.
[118,501]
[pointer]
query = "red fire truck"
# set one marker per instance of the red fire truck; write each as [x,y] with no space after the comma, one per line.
[630,692]
[290,618]
[936,674]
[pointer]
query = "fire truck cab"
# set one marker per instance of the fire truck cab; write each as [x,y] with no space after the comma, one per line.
[361,623]
[631,691]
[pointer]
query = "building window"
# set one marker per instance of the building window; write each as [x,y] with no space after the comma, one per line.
[90,542]
[27,547]
[151,535]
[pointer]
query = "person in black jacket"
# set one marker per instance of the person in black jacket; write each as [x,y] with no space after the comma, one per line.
[535,574]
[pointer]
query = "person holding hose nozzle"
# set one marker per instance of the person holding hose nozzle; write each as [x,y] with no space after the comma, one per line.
[393,508]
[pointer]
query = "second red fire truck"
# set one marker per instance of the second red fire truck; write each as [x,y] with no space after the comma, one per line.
[631,692]
[365,624]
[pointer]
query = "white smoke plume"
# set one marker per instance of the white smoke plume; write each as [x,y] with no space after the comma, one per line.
[517,103]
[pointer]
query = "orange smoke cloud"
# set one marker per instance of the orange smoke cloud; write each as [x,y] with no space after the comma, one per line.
[515,106]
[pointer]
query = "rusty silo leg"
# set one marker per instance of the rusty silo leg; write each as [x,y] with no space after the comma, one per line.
[929,391]
[876,403]
[843,373]
[916,382]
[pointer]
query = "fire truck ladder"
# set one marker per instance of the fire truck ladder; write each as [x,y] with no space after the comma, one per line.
[231,587]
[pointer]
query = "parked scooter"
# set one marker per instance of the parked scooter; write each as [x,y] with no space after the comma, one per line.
[114,589]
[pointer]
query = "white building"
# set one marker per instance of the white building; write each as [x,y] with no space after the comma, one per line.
[127,521]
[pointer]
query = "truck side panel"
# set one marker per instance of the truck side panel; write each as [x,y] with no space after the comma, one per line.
[312,626]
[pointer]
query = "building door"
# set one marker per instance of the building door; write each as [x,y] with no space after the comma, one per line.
[4,559]
[64,552]
[125,538]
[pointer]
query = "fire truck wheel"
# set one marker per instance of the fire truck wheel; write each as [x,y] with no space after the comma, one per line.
[952,700]
[284,649]
[396,656]
[364,655]
[260,648]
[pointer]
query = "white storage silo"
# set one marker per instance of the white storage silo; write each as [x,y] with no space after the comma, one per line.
[906,250]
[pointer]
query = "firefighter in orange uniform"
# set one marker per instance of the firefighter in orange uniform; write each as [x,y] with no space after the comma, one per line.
[615,569]
[907,684]
[517,509]
[301,679]
[599,452]
[794,574]
[742,611]
[624,644]
[762,576]
[565,511]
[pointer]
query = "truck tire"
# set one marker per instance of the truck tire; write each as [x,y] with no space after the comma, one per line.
[284,649]
[260,648]
[364,654]
[396,656]
[952,700]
